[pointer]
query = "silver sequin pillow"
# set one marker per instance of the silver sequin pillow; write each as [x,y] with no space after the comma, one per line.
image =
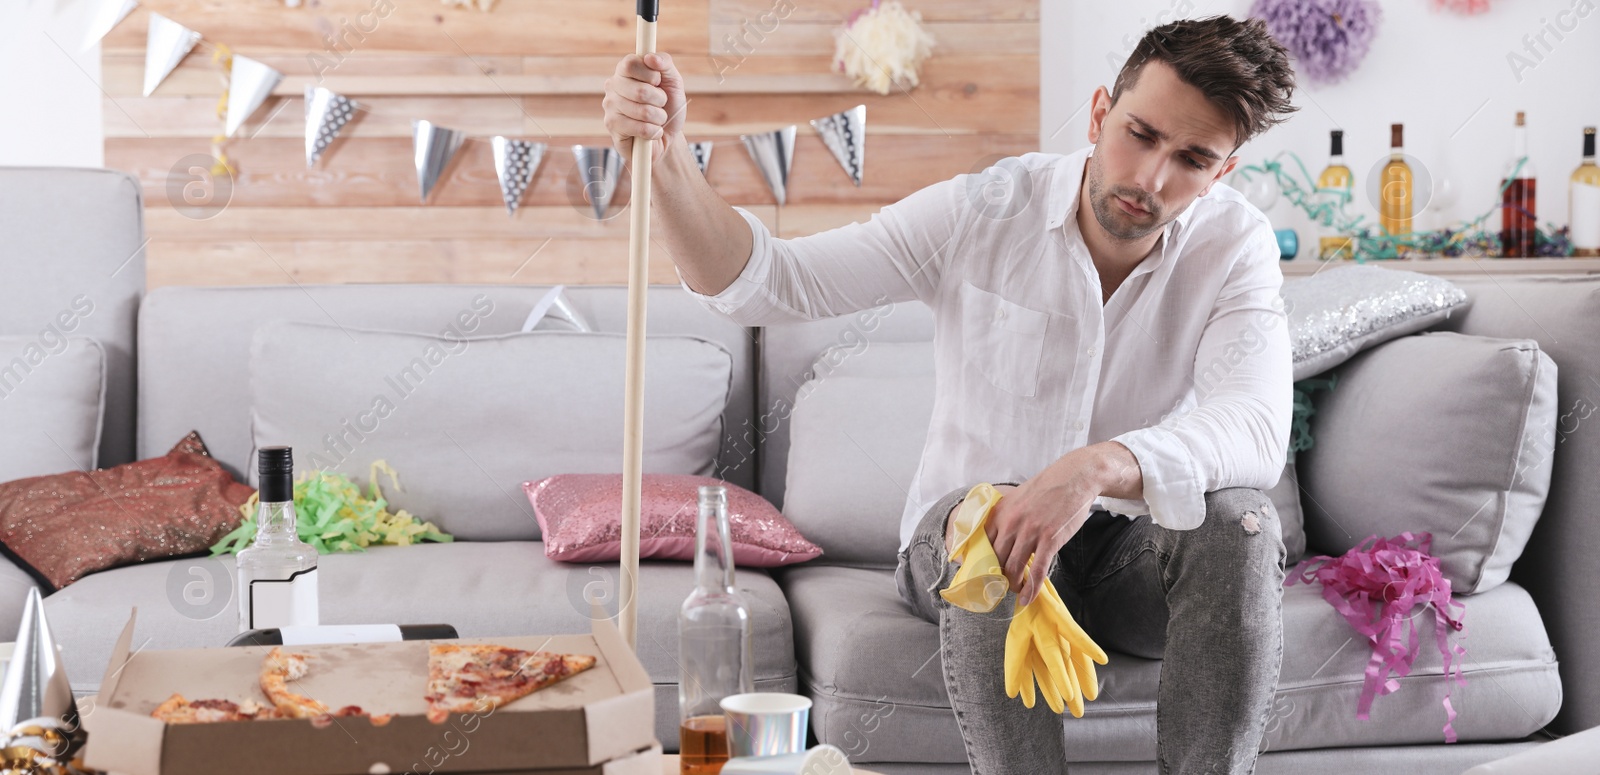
[1343,310]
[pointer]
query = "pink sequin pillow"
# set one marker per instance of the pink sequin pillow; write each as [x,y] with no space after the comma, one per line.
[580,518]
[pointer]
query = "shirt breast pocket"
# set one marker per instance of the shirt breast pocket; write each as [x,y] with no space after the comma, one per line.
[1004,340]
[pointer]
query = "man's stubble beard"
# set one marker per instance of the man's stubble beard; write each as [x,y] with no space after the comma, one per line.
[1110,216]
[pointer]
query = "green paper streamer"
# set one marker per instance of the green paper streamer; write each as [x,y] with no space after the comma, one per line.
[1300,428]
[333,516]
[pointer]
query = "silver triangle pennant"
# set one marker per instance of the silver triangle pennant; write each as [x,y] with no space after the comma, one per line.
[434,147]
[249,84]
[326,114]
[515,162]
[702,155]
[773,153]
[845,134]
[166,44]
[37,711]
[104,18]
[599,168]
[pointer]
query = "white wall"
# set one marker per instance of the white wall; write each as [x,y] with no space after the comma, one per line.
[1445,76]
[49,90]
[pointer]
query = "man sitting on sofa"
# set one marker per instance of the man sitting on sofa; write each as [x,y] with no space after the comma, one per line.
[1108,332]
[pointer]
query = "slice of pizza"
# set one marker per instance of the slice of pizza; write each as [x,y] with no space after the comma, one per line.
[278,669]
[179,710]
[469,678]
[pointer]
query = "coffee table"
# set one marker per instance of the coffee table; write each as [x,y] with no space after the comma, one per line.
[669,766]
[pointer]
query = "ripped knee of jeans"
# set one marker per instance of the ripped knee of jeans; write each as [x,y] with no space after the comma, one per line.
[1251,522]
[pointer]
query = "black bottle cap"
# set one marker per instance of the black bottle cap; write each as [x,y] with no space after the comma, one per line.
[649,9]
[1338,142]
[276,465]
[1588,141]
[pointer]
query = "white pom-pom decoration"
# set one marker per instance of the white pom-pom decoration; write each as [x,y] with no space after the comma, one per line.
[882,47]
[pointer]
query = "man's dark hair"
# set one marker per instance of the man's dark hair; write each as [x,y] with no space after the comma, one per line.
[1236,64]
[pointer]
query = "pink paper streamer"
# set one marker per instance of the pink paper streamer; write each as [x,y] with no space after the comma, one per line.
[1375,588]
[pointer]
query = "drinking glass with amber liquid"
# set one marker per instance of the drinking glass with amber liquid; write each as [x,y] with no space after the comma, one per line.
[713,642]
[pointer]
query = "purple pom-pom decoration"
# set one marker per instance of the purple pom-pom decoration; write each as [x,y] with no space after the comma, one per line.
[1328,38]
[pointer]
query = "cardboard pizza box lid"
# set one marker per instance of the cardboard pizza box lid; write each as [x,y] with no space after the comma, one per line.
[579,724]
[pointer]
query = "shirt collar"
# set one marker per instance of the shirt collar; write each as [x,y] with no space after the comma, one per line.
[1068,183]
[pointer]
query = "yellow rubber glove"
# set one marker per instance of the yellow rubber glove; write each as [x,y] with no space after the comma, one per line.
[1044,645]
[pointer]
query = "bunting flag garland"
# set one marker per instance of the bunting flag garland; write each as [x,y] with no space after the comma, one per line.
[166,44]
[249,83]
[435,147]
[702,155]
[773,153]
[515,162]
[326,114]
[108,15]
[599,168]
[845,134]
[249,86]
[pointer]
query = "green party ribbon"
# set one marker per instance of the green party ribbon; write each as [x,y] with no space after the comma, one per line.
[333,516]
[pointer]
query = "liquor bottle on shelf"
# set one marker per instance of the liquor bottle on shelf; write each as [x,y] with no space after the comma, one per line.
[713,642]
[278,572]
[1334,186]
[1584,201]
[1394,194]
[1519,223]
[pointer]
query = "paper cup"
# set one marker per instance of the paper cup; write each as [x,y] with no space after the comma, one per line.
[766,723]
[822,760]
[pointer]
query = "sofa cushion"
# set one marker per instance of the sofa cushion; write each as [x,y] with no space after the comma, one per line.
[1437,432]
[186,330]
[873,671]
[854,445]
[52,401]
[483,589]
[465,421]
[1337,313]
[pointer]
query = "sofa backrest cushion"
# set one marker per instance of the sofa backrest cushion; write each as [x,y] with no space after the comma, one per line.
[194,347]
[52,399]
[467,420]
[72,244]
[1437,432]
[856,437]
[789,354]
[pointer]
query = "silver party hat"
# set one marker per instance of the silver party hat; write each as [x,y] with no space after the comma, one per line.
[106,15]
[36,696]
[326,114]
[845,134]
[774,155]
[167,43]
[599,168]
[515,162]
[434,147]
[249,85]
[702,155]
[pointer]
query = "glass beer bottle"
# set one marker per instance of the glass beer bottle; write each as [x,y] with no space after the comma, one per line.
[713,642]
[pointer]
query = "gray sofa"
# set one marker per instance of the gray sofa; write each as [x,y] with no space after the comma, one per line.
[805,425]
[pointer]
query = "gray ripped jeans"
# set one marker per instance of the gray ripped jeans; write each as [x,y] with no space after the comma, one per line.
[1208,602]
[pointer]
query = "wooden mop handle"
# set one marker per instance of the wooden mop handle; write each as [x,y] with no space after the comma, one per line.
[633,378]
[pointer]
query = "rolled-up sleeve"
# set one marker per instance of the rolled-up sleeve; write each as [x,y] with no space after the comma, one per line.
[897,255]
[1237,434]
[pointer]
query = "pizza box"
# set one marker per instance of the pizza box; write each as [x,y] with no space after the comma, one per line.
[600,721]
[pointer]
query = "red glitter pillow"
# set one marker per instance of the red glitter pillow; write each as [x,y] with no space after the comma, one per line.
[580,517]
[62,527]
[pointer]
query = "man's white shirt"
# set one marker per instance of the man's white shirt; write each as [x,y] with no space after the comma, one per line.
[1187,364]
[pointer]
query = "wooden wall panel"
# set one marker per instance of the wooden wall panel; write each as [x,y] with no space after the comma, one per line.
[534,69]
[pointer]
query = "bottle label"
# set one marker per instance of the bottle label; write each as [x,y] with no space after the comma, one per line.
[340,633]
[1585,216]
[284,602]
